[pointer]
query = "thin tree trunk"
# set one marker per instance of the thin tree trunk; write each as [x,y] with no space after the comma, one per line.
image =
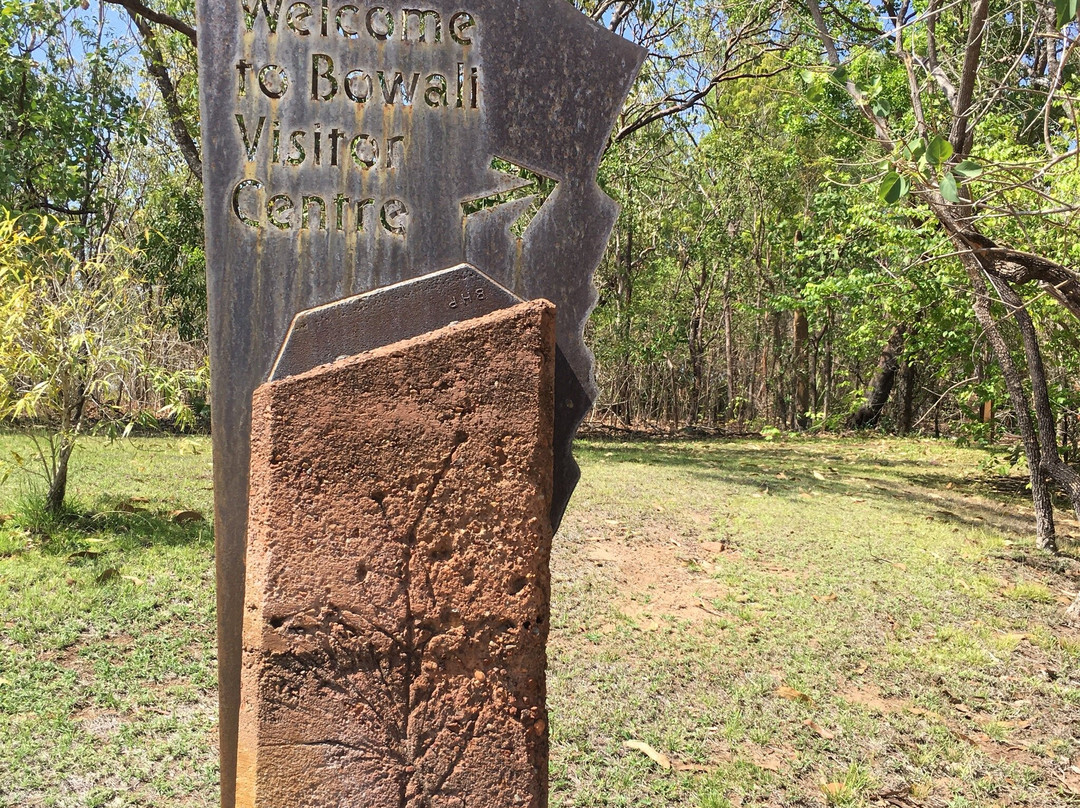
[729,351]
[800,337]
[881,385]
[908,377]
[828,370]
[780,413]
[1050,460]
[54,501]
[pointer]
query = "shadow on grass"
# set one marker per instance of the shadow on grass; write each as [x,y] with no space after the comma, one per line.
[148,528]
[702,453]
[791,470]
[85,533]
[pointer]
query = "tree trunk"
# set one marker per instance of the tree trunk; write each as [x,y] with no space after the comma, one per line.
[908,379]
[54,501]
[780,402]
[729,351]
[828,370]
[799,356]
[1052,466]
[1045,535]
[696,345]
[881,385]
[1067,453]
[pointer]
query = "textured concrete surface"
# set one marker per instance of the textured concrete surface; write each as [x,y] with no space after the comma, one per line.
[397,598]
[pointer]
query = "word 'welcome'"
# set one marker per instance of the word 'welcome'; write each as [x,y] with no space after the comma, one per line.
[415,25]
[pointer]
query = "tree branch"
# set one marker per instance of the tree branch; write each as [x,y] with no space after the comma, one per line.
[155,65]
[134,7]
[1008,264]
[675,106]
[1017,266]
[960,135]
[881,127]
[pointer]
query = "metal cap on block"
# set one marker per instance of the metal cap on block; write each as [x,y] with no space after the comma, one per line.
[384,316]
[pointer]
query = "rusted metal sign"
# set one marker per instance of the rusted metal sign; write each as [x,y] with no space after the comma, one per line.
[350,146]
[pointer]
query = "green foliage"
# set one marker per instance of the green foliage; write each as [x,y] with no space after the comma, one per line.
[938,151]
[67,103]
[949,190]
[894,187]
[171,257]
[73,342]
[1066,11]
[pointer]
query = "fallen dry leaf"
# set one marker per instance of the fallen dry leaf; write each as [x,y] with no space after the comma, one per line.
[863,668]
[819,476]
[832,789]
[186,517]
[791,694]
[900,797]
[770,763]
[1012,636]
[825,598]
[701,768]
[84,554]
[925,713]
[659,758]
[824,733]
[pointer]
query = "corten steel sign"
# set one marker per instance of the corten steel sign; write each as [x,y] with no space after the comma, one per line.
[349,146]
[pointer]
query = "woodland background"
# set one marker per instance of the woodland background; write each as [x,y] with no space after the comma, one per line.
[836,215]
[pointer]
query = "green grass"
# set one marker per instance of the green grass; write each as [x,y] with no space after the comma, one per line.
[792,623]
[107,647]
[885,580]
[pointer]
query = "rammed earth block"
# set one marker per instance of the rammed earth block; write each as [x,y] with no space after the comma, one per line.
[398,591]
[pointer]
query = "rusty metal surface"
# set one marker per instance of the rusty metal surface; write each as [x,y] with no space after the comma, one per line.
[408,309]
[324,180]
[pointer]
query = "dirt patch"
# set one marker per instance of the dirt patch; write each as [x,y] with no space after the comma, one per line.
[871,698]
[1001,751]
[102,724]
[660,581]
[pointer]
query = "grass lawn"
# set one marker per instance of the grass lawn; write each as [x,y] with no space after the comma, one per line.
[796,623]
